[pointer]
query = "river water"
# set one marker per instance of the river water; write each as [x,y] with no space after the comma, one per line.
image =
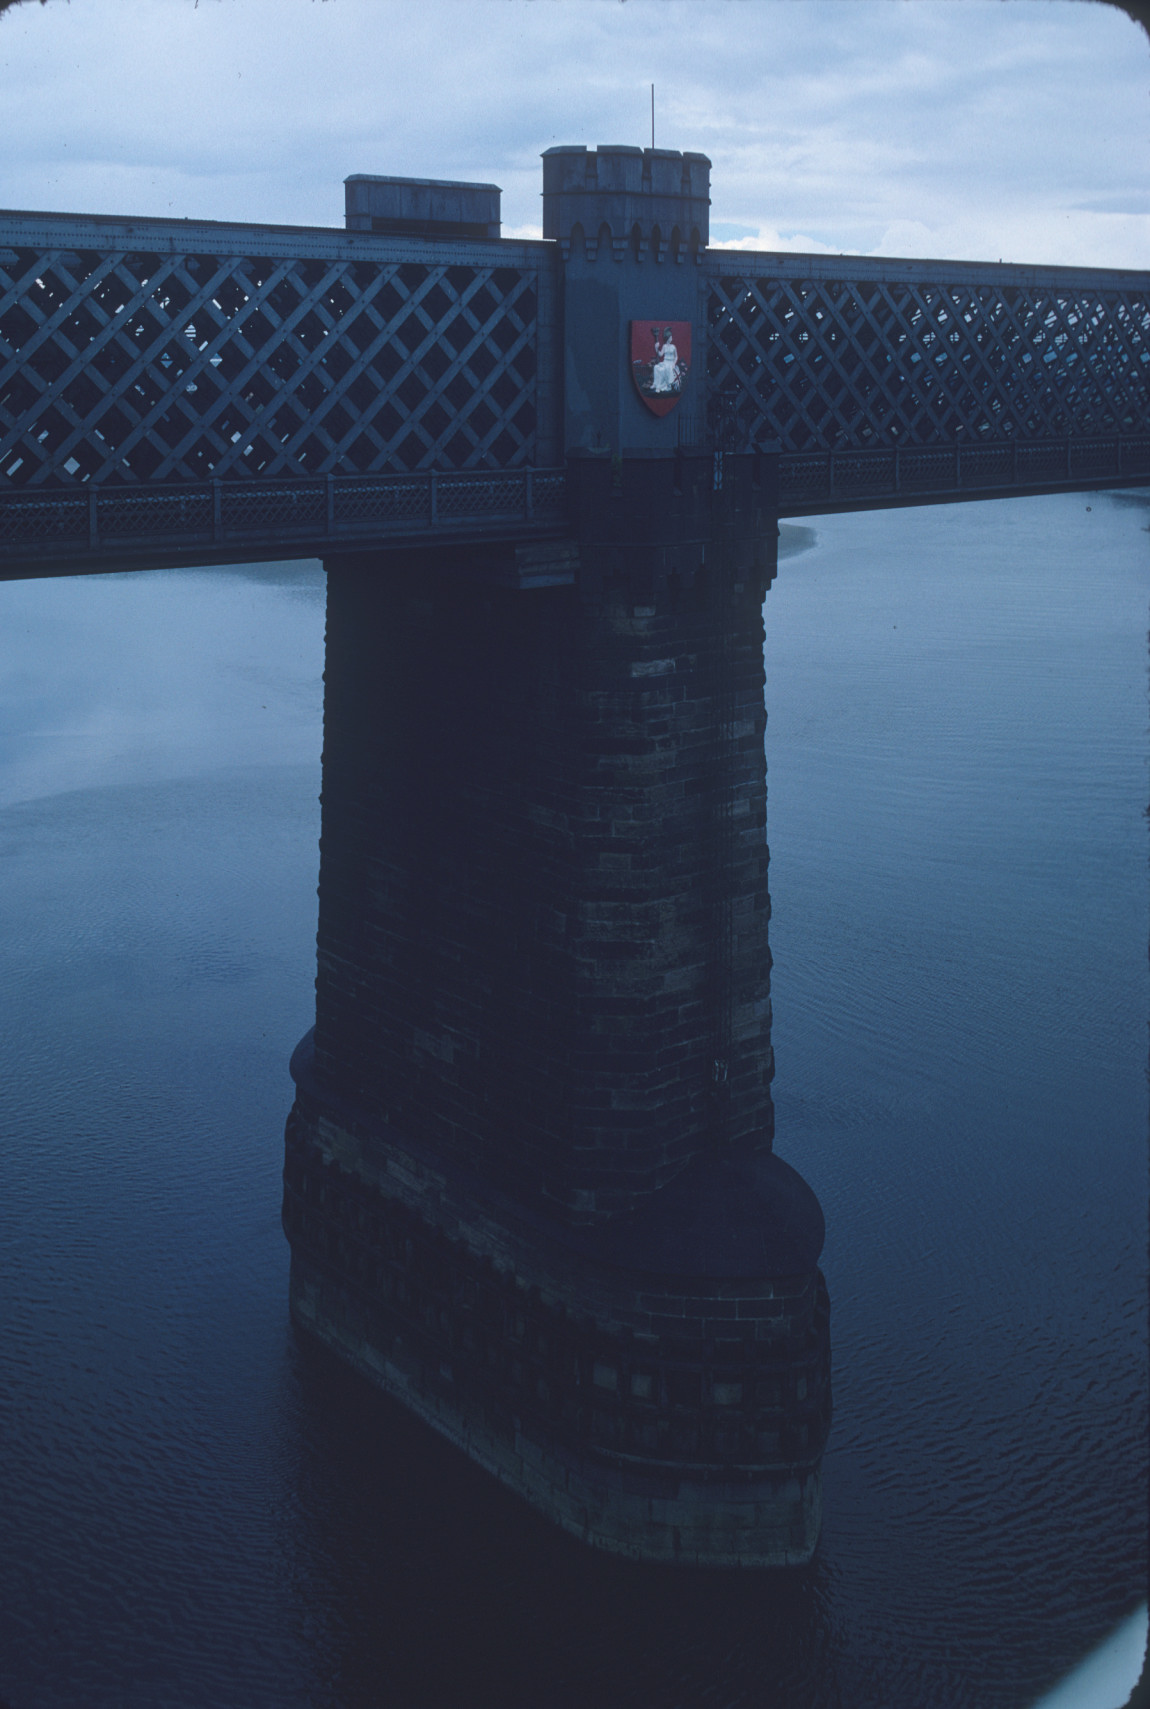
[199,1511]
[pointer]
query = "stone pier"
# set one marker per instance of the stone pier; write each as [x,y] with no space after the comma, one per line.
[530,1185]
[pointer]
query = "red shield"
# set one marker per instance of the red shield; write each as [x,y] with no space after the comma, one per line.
[660,361]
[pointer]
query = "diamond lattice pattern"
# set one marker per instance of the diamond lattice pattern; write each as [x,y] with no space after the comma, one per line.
[857,364]
[127,367]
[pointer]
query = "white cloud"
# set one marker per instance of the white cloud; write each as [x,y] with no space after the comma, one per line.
[773,242]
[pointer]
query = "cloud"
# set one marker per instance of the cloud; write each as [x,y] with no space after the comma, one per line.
[773,242]
[990,127]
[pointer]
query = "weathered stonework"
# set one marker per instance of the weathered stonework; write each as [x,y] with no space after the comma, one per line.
[666,1417]
[543,890]
[529,1185]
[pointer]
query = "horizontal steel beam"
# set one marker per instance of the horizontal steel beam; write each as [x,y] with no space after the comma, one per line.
[30,228]
[888,269]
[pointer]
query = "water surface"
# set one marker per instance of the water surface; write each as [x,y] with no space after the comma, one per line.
[200,1511]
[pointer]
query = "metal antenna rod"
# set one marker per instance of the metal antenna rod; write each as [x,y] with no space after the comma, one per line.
[652,115]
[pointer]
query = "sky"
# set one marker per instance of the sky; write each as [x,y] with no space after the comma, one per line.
[974,129]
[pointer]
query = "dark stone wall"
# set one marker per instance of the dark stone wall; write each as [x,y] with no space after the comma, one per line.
[543,886]
[692,1373]
[662,1398]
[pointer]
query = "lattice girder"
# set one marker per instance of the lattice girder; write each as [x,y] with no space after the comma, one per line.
[831,360]
[166,351]
[128,364]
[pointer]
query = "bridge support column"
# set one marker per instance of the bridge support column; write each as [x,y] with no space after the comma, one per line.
[529,1185]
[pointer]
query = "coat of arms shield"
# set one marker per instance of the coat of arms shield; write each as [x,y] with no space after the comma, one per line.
[660,361]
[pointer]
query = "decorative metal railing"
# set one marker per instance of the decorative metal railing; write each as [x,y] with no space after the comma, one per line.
[213,516]
[855,480]
[841,353]
[165,351]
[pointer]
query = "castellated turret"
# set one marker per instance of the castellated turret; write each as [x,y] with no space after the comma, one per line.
[650,203]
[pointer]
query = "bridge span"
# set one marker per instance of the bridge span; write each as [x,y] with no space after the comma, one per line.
[184,390]
[530,1183]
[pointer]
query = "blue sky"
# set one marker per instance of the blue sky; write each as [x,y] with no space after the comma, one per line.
[1012,129]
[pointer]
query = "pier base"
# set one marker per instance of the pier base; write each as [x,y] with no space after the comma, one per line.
[644,1386]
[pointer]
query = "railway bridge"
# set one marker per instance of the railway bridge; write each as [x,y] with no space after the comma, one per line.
[530,1184]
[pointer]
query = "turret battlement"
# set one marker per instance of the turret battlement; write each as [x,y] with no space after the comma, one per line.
[650,203]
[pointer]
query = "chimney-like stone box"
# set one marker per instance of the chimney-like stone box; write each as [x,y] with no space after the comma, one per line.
[421,207]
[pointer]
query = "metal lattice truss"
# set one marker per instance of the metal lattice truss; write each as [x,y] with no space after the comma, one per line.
[176,354]
[119,367]
[870,362]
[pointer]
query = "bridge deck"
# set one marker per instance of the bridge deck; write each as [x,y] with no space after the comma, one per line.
[45,532]
[819,483]
[42,530]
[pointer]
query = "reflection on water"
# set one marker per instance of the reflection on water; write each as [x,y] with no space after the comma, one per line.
[198,1510]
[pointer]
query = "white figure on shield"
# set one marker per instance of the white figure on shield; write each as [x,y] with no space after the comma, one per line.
[665,373]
